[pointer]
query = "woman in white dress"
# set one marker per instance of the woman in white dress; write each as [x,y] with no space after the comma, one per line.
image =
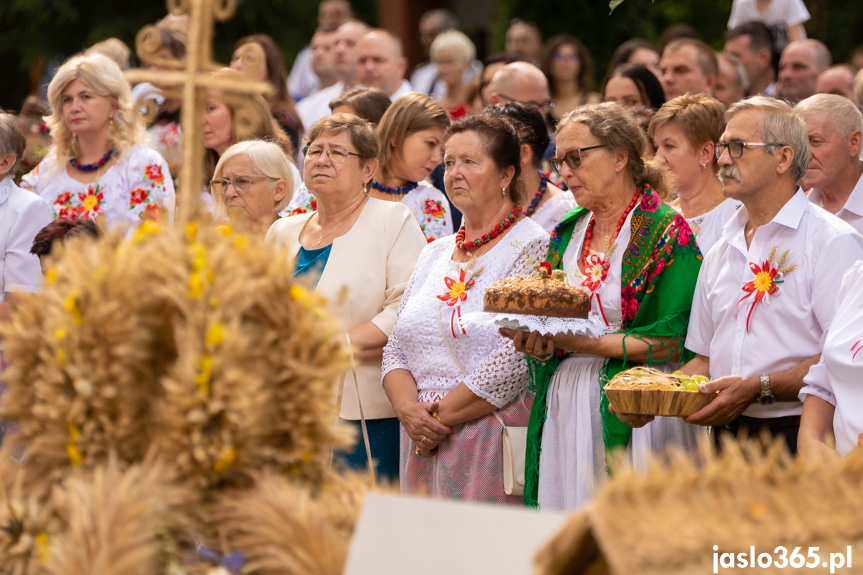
[410,134]
[450,382]
[637,259]
[684,131]
[99,167]
[546,204]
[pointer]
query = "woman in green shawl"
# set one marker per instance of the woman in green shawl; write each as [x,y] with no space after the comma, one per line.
[638,260]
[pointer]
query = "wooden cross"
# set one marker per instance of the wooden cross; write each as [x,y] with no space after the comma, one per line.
[189,81]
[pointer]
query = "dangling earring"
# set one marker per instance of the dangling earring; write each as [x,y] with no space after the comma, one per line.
[111,124]
[503,191]
[703,165]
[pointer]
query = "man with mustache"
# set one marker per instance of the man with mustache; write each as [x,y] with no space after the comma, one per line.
[767,289]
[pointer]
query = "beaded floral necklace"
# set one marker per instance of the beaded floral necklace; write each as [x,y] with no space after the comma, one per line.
[498,229]
[399,190]
[595,267]
[588,235]
[94,166]
[543,186]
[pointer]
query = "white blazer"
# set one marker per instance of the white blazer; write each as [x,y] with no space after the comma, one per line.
[364,279]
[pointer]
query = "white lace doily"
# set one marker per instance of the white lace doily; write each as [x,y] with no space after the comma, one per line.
[543,324]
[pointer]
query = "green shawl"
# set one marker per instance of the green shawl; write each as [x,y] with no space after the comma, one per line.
[659,270]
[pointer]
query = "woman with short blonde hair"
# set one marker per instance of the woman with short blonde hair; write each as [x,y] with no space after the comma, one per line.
[684,131]
[99,166]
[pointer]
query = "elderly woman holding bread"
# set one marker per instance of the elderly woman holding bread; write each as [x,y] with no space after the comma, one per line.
[359,252]
[454,384]
[638,261]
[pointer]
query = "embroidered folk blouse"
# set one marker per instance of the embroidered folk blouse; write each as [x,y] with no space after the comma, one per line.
[439,293]
[137,187]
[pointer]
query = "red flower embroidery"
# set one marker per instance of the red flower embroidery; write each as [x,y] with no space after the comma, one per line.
[684,232]
[63,199]
[152,212]
[650,202]
[595,271]
[313,204]
[66,213]
[138,196]
[544,266]
[91,201]
[430,239]
[657,269]
[433,209]
[457,290]
[298,210]
[630,304]
[154,173]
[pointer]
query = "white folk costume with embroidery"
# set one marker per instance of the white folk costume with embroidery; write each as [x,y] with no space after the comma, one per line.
[549,214]
[572,465]
[138,186]
[838,377]
[427,203]
[469,463]
[708,227]
[753,313]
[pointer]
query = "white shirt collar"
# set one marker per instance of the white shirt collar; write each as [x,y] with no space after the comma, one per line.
[853,204]
[789,216]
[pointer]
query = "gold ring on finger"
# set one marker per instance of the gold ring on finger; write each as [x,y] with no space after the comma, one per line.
[424,439]
[417,450]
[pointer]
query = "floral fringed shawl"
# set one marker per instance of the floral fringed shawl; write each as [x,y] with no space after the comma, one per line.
[659,270]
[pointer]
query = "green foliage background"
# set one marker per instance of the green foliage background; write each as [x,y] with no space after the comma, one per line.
[30,29]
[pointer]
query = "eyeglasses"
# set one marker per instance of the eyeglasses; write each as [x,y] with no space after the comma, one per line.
[241,183]
[735,148]
[542,106]
[336,155]
[572,158]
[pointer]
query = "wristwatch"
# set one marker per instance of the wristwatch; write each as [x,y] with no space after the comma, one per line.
[766,397]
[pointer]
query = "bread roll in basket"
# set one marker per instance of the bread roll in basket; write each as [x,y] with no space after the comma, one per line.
[648,391]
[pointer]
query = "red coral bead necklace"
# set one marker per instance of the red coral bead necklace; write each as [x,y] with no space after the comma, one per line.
[588,234]
[498,229]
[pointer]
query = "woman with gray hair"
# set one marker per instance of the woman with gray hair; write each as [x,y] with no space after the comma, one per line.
[252,183]
[22,215]
[359,252]
[637,259]
[99,167]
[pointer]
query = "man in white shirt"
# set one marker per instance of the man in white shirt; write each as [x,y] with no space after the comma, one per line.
[381,63]
[767,290]
[835,175]
[800,64]
[317,105]
[752,44]
[520,82]
[688,65]
[837,80]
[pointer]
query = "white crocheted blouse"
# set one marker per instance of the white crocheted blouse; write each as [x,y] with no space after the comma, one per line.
[429,323]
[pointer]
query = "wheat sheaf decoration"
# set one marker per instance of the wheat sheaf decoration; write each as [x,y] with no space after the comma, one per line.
[685,513]
[194,341]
